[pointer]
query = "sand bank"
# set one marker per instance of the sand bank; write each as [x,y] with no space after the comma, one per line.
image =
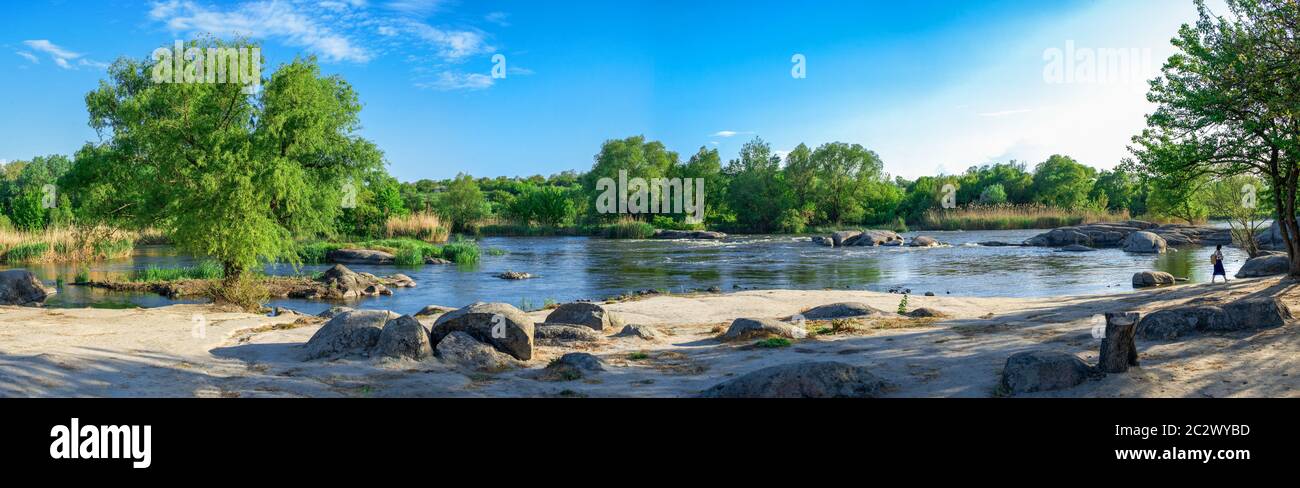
[161,352]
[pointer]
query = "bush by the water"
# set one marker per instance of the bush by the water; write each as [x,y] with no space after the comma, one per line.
[629,230]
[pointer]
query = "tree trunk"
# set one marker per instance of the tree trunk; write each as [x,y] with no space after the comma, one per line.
[1118,348]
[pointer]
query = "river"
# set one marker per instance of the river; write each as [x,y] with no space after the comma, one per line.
[571,268]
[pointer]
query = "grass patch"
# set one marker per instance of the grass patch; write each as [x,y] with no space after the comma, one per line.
[638,356]
[206,270]
[629,229]
[773,343]
[406,251]
[422,226]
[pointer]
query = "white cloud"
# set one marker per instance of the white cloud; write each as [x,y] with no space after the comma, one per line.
[60,55]
[498,18]
[452,45]
[262,20]
[730,133]
[451,80]
[30,57]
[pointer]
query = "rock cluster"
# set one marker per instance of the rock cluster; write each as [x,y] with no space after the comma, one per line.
[862,238]
[1118,234]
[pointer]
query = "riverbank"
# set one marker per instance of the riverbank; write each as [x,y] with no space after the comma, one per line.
[163,352]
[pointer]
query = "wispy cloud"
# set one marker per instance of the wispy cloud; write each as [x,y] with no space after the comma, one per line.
[415,7]
[498,18]
[452,45]
[263,20]
[1004,113]
[730,133]
[62,57]
[454,80]
[30,57]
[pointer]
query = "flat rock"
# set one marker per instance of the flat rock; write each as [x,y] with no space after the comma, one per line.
[643,332]
[359,256]
[553,334]
[802,380]
[747,329]
[841,310]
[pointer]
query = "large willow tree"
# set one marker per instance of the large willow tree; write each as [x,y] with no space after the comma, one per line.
[1229,104]
[229,175]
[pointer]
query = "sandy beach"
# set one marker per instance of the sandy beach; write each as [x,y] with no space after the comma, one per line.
[159,352]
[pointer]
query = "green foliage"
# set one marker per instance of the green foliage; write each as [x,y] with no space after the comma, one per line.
[993,194]
[902,305]
[225,174]
[1062,182]
[26,252]
[463,203]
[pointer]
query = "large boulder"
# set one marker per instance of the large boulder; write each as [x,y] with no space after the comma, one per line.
[583,313]
[359,256]
[802,380]
[404,337]
[1173,323]
[1143,279]
[1032,371]
[1144,242]
[513,334]
[1256,313]
[746,329]
[560,334]
[463,350]
[348,333]
[839,238]
[1239,315]
[924,241]
[875,238]
[1267,265]
[21,287]
[842,310]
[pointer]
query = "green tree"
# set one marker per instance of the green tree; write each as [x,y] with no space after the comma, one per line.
[1226,104]
[993,194]
[758,192]
[463,203]
[229,175]
[638,157]
[843,173]
[1063,182]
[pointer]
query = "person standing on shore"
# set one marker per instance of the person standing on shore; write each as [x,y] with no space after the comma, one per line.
[1217,259]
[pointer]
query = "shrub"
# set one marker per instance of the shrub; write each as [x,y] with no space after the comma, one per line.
[247,292]
[461,252]
[629,229]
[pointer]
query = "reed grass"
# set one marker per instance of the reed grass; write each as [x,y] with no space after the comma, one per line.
[1007,217]
[205,270]
[70,244]
[424,226]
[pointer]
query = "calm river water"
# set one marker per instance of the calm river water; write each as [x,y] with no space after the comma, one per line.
[570,268]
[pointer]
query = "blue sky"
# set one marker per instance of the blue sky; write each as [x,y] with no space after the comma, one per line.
[931,86]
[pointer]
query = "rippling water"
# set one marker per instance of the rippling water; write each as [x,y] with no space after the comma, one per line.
[570,268]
